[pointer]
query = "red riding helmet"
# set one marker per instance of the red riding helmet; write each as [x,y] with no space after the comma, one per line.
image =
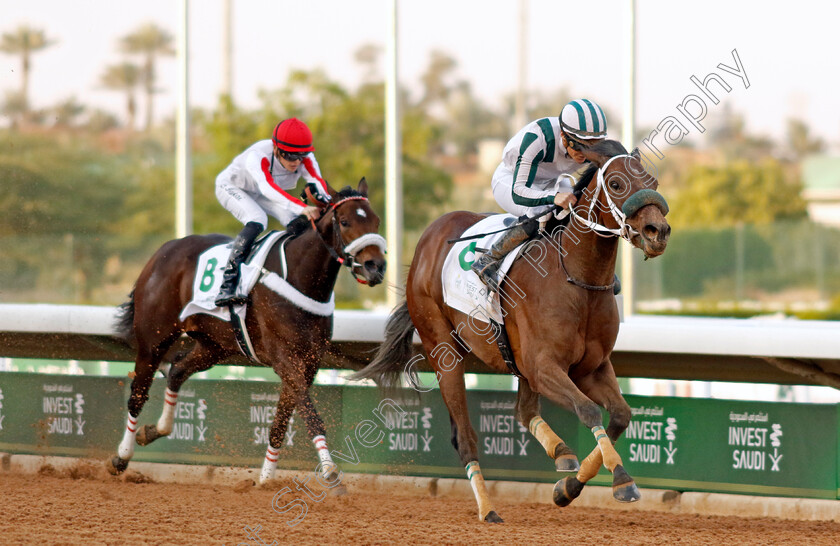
[292,135]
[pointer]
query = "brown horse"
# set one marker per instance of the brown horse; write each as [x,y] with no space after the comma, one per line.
[561,331]
[284,335]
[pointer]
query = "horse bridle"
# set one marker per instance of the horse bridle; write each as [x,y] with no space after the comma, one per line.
[624,231]
[632,204]
[347,257]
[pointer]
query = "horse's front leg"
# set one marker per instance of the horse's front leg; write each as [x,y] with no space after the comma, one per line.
[602,387]
[528,414]
[560,389]
[293,388]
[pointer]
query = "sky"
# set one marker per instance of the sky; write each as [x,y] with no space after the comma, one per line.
[789,54]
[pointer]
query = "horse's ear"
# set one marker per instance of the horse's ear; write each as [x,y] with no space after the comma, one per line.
[363,187]
[636,153]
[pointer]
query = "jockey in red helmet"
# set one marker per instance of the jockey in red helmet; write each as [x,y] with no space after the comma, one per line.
[255,185]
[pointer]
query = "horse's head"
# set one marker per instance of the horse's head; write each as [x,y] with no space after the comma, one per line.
[354,228]
[623,198]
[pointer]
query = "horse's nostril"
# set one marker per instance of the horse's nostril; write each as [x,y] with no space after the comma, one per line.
[650,231]
[374,266]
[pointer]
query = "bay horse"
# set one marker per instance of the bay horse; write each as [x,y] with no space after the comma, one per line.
[283,335]
[561,331]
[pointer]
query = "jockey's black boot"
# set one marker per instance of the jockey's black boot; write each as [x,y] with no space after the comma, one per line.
[616,285]
[487,265]
[241,247]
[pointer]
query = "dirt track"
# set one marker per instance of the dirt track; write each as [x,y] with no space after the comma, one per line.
[84,506]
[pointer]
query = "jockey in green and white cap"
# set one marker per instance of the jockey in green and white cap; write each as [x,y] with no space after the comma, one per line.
[529,180]
[584,120]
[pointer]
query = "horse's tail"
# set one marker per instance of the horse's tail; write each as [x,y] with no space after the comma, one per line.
[394,353]
[124,324]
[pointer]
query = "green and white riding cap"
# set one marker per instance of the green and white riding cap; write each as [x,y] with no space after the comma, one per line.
[583,119]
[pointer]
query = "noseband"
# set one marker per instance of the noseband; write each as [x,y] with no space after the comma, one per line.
[346,255]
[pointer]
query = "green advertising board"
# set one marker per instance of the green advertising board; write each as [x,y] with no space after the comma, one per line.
[60,414]
[672,443]
[227,423]
[767,448]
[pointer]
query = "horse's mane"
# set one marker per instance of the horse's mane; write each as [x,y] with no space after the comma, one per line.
[609,148]
[297,226]
[300,224]
[347,191]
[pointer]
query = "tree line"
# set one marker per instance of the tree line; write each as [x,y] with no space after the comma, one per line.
[112,187]
[145,44]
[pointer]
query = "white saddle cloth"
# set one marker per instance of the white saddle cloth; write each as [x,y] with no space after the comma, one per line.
[208,278]
[462,288]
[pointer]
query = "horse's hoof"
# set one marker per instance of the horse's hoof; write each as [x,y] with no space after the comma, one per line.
[116,466]
[624,488]
[627,493]
[339,491]
[333,476]
[567,490]
[147,434]
[566,463]
[493,517]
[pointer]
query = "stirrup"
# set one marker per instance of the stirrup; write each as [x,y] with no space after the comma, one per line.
[488,273]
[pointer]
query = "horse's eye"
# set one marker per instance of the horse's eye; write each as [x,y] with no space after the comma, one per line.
[345,223]
[614,184]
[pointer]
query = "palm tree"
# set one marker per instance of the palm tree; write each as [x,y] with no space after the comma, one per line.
[24,41]
[124,77]
[149,41]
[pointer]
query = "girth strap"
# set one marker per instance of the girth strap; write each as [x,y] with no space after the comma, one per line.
[503,342]
[240,333]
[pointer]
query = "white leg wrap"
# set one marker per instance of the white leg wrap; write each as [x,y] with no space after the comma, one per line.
[479,489]
[269,464]
[324,455]
[167,418]
[126,449]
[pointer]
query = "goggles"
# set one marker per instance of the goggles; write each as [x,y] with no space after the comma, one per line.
[291,156]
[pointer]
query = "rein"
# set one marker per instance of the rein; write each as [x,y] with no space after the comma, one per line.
[348,252]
